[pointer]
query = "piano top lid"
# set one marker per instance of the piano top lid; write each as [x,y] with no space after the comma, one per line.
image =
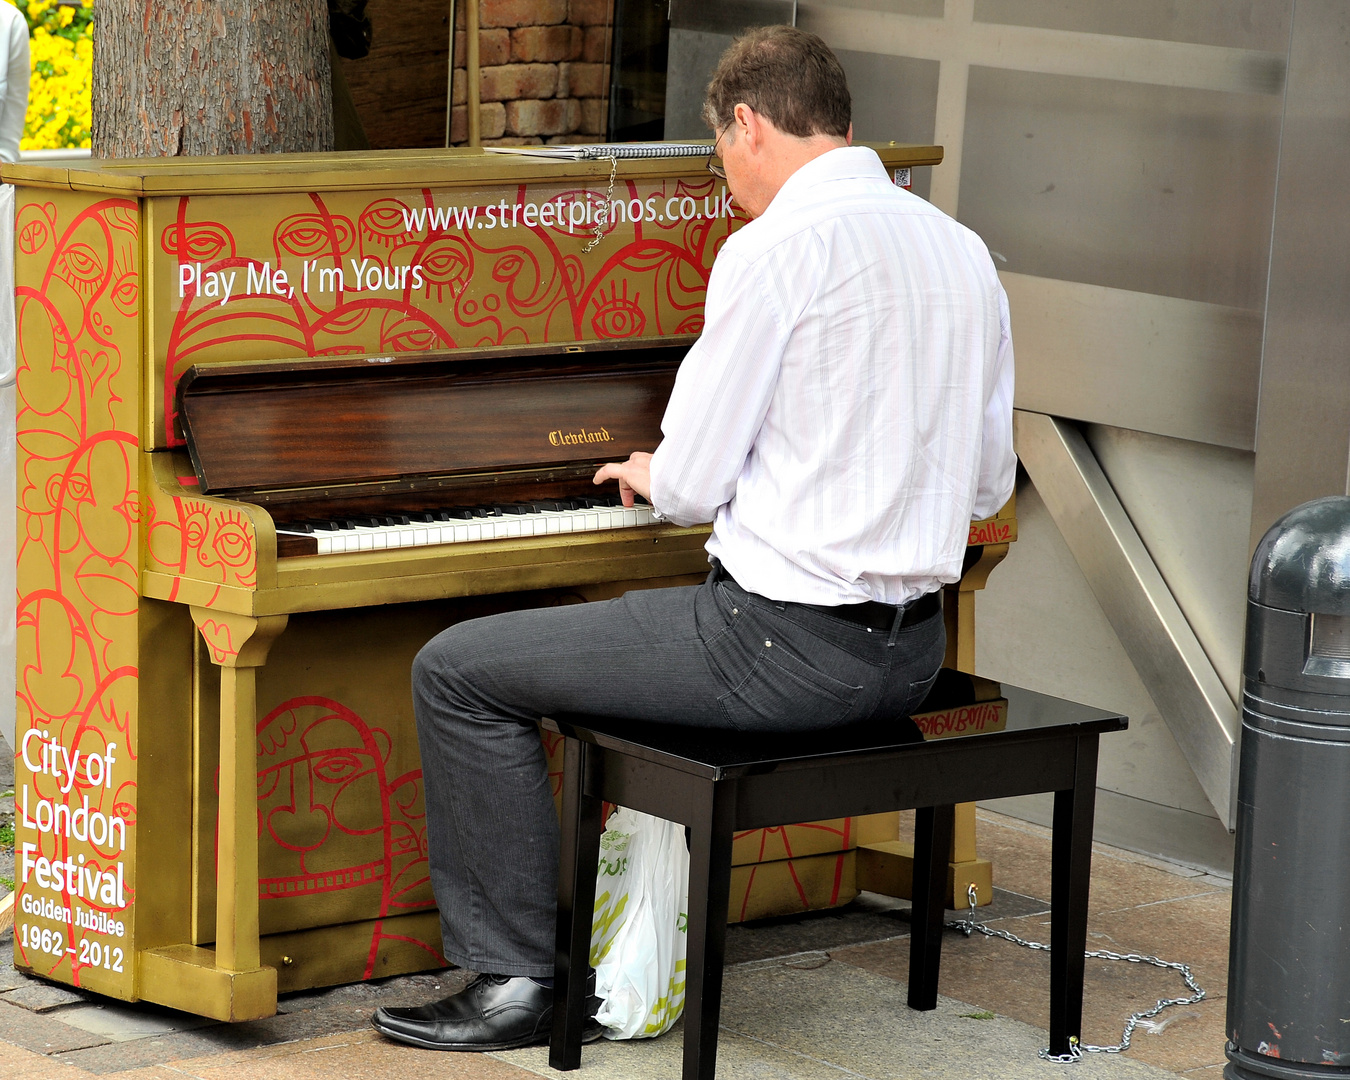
[361,170]
[285,424]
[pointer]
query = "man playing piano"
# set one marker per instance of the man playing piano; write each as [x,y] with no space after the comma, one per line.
[845,414]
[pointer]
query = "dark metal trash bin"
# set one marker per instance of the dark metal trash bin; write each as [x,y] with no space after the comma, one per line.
[1289,954]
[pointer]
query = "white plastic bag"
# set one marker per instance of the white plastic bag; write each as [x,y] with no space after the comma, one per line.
[640,930]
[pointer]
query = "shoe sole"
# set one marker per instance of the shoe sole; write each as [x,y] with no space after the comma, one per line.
[590,1035]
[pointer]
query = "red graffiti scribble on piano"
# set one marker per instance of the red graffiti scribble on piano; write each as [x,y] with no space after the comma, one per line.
[477,283]
[331,819]
[79,513]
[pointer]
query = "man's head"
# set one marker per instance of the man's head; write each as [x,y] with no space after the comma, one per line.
[777,100]
[785,74]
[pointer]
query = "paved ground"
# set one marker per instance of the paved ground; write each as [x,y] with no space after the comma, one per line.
[818,996]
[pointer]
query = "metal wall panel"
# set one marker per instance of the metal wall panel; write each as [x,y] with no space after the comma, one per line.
[1236,24]
[1136,600]
[699,34]
[728,17]
[1136,360]
[693,58]
[894,97]
[1190,504]
[898,102]
[1303,434]
[1039,625]
[1154,189]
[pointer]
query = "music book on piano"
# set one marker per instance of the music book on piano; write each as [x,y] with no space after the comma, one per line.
[605,151]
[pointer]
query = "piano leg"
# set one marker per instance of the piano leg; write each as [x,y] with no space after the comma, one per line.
[239,645]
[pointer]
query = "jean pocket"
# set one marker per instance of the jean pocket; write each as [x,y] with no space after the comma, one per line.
[918,692]
[782,693]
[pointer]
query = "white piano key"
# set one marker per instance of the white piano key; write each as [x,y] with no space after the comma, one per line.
[485,527]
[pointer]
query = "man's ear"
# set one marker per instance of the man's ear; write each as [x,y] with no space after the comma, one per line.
[848,136]
[750,126]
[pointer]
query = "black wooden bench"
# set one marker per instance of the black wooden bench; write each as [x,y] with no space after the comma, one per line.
[718,784]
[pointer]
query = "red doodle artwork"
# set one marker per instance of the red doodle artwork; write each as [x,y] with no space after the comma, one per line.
[204,539]
[826,835]
[331,819]
[98,364]
[79,515]
[406,272]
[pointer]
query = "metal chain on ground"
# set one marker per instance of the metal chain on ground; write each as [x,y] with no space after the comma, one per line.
[968,925]
[602,214]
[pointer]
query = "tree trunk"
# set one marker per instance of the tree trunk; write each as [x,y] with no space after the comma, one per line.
[175,77]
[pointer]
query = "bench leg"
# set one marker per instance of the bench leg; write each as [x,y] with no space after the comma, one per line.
[1070,870]
[932,840]
[709,893]
[580,854]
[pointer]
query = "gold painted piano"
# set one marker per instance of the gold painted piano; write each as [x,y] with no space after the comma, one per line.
[280,421]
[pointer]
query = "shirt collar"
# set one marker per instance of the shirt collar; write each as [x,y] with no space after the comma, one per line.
[841,163]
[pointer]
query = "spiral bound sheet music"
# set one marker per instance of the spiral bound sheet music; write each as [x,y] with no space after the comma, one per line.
[605,151]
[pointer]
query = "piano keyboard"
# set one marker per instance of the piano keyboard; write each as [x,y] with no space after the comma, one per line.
[463,525]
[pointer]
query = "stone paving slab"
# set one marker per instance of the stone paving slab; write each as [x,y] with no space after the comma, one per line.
[361,1054]
[870,917]
[9,978]
[40,996]
[41,1034]
[311,1015]
[809,1019]
[124,1023]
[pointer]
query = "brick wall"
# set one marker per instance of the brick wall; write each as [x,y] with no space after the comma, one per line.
[544,71]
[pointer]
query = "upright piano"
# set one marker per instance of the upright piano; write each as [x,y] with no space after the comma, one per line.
[280,421]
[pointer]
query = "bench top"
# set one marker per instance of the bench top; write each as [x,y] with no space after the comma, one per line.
[724,755]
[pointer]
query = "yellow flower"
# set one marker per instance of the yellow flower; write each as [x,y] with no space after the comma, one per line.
[59,94]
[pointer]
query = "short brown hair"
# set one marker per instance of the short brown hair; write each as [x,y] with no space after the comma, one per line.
[785,74]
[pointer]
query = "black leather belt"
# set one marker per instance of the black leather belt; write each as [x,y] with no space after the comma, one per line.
[870,612]
[881,616]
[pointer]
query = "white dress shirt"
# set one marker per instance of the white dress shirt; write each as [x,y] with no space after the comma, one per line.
[14,75]
[847,410]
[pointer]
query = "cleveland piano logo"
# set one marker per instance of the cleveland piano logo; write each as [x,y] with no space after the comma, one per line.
[572,438]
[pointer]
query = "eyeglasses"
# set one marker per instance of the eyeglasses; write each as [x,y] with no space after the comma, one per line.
[717,170]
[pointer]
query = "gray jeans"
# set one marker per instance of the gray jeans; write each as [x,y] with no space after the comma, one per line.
[710,655]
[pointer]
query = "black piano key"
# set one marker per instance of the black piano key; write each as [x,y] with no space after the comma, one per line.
[423,517]
[303,527]
[511,508]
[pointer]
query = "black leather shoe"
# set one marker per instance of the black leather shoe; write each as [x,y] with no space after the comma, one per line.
[494,1012]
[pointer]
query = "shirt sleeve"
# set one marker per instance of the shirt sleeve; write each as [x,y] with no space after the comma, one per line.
[14,96]
[721,395]
[998,463]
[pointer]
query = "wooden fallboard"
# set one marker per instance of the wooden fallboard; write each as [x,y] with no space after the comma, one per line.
[292,424]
